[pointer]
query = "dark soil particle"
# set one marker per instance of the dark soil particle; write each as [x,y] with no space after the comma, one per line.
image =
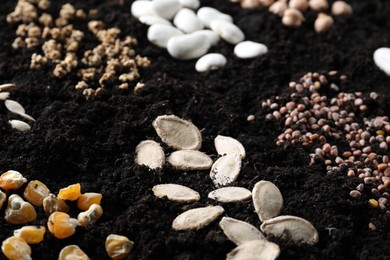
[93,142]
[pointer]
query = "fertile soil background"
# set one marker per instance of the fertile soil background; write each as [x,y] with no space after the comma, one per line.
[93,142]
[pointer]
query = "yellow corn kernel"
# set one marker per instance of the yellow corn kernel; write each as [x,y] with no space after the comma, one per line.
[373,203]
[15,248]
[19,211]
[35,192]
[87,199]
[72,192]
[118,247]
[380,132]
[90,216]
[52,204]
[31,234]
[72,252]
[3,197]
[61,225]
[12,180]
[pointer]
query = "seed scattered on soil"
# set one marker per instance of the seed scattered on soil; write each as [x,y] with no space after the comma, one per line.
[167,8]
[4,95]
[6,86]
[188,46]
[228,31]
[255,250]
[3,197]
[267,199]
[230,194]
[19,211]
[187,21]
[323,23]
[87,199]
[341,8]
[295,229]
[211,61]
[90,216]
[12,180]
[19,125]
[15,248]
[72,192]
[197,218]
[150,154]
[189,160]
[208,14]
[249,49]
[118,247]
[178,133]
[159,34]
[61,225]
[226,169]
[176,192]
[35,192]
[228,145]
[52,204]
[239,231]
[382,59]
[72,252]
[292,18]
[31,234]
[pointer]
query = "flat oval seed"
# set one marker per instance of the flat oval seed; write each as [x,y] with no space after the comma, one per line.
[230,194]
[14,106]
[141,8]
[187,21]
[226,169]
[228,145]
[152,19]
[255,250]
[197,218]
[211,61]
[189,160]
[19,125]
[4,95]
[267,199]
[166,8]
[227,31]
[150,154]
[72,252]
[178,133]
[293,228]
[382,59]
[176,192]
[249,49]
[208,14]
[159,34]
[188,47]
[239,231]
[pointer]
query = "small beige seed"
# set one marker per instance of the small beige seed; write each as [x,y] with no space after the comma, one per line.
[19,211]
[3,197]
[4,95]
[255,250]
[90,216]
[118,247]
[319,5]
[300,5]
[323,23]
[267,200]
[189,160]
[292,18]
[341,8]
[150,154]
[19,125]
[176,192]
[228,145]
[230,194]
[226,169]
[239,231]
[278,7]
[197,218]
[72,252]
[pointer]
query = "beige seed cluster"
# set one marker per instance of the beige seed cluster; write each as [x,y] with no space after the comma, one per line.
[113,62]
[292,11]
[321,118]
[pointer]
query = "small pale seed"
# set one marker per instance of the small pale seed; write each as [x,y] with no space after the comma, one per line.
[150,154]
[226,169]
[19,125]
[197,218]
[176,192]
[255,250]
[267,199]
[228,145]
[230,194]
[189,160]
[4,95]
[239,231]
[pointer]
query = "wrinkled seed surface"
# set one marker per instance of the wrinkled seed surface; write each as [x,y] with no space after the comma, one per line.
[267,199]
[228,145]
[226,169]
[230,194]
[176,192]
[197,218]
[239,231]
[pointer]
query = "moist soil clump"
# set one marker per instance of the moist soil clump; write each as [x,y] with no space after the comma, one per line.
[93,141]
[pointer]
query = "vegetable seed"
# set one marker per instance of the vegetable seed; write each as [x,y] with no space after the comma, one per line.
[197,218]
[255,250]
[230,194]
[226,169]
[150,154]
[228,145]
[118,247]
[267,200]
[189,160]
[176,192]
[239,231]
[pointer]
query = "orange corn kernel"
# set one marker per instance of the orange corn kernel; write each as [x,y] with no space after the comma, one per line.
[35,192]
[87,199]
[72,252]
[19,211]
[3,197]
[52,204]
[15,248]
[72,192]
[31,234]
[61,225]
[12,180]
[118,247]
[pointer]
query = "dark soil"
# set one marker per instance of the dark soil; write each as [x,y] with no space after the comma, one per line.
[93,142]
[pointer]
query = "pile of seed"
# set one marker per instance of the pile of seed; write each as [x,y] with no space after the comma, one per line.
[333,125]
[292,11]
[15,108]
[59,223]
[193,34]
[113,62]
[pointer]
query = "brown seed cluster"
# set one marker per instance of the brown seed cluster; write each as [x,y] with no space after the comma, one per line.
[113,62]
[292,11]
[334,126]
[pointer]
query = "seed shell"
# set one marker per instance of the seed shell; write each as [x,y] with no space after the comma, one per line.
[228,145]
[189,160]
[226,169]
[14,106]
[267,199]
[19,125]
[197,218]
[292,228]
[255,250]
[239,231]
[149,153]
[176,192]
[178,133]
[230,194]
[4,95]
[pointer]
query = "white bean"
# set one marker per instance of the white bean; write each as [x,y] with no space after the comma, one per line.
[211,61]
[187,21]
[227,31]
[249,49]
[159,34]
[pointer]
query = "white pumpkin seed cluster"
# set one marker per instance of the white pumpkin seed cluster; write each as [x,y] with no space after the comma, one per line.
[192,34]
[267,198]
[15,108]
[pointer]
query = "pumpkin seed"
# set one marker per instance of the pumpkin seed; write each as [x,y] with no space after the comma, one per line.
[197,218]
[293,228]
[255,250]
[228,145]
[267,199]
[226,169]
[239,231]
[176,192]
[230,194]
[178,133]
[4,95]
[189,160]
[149,153]
[19,125]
